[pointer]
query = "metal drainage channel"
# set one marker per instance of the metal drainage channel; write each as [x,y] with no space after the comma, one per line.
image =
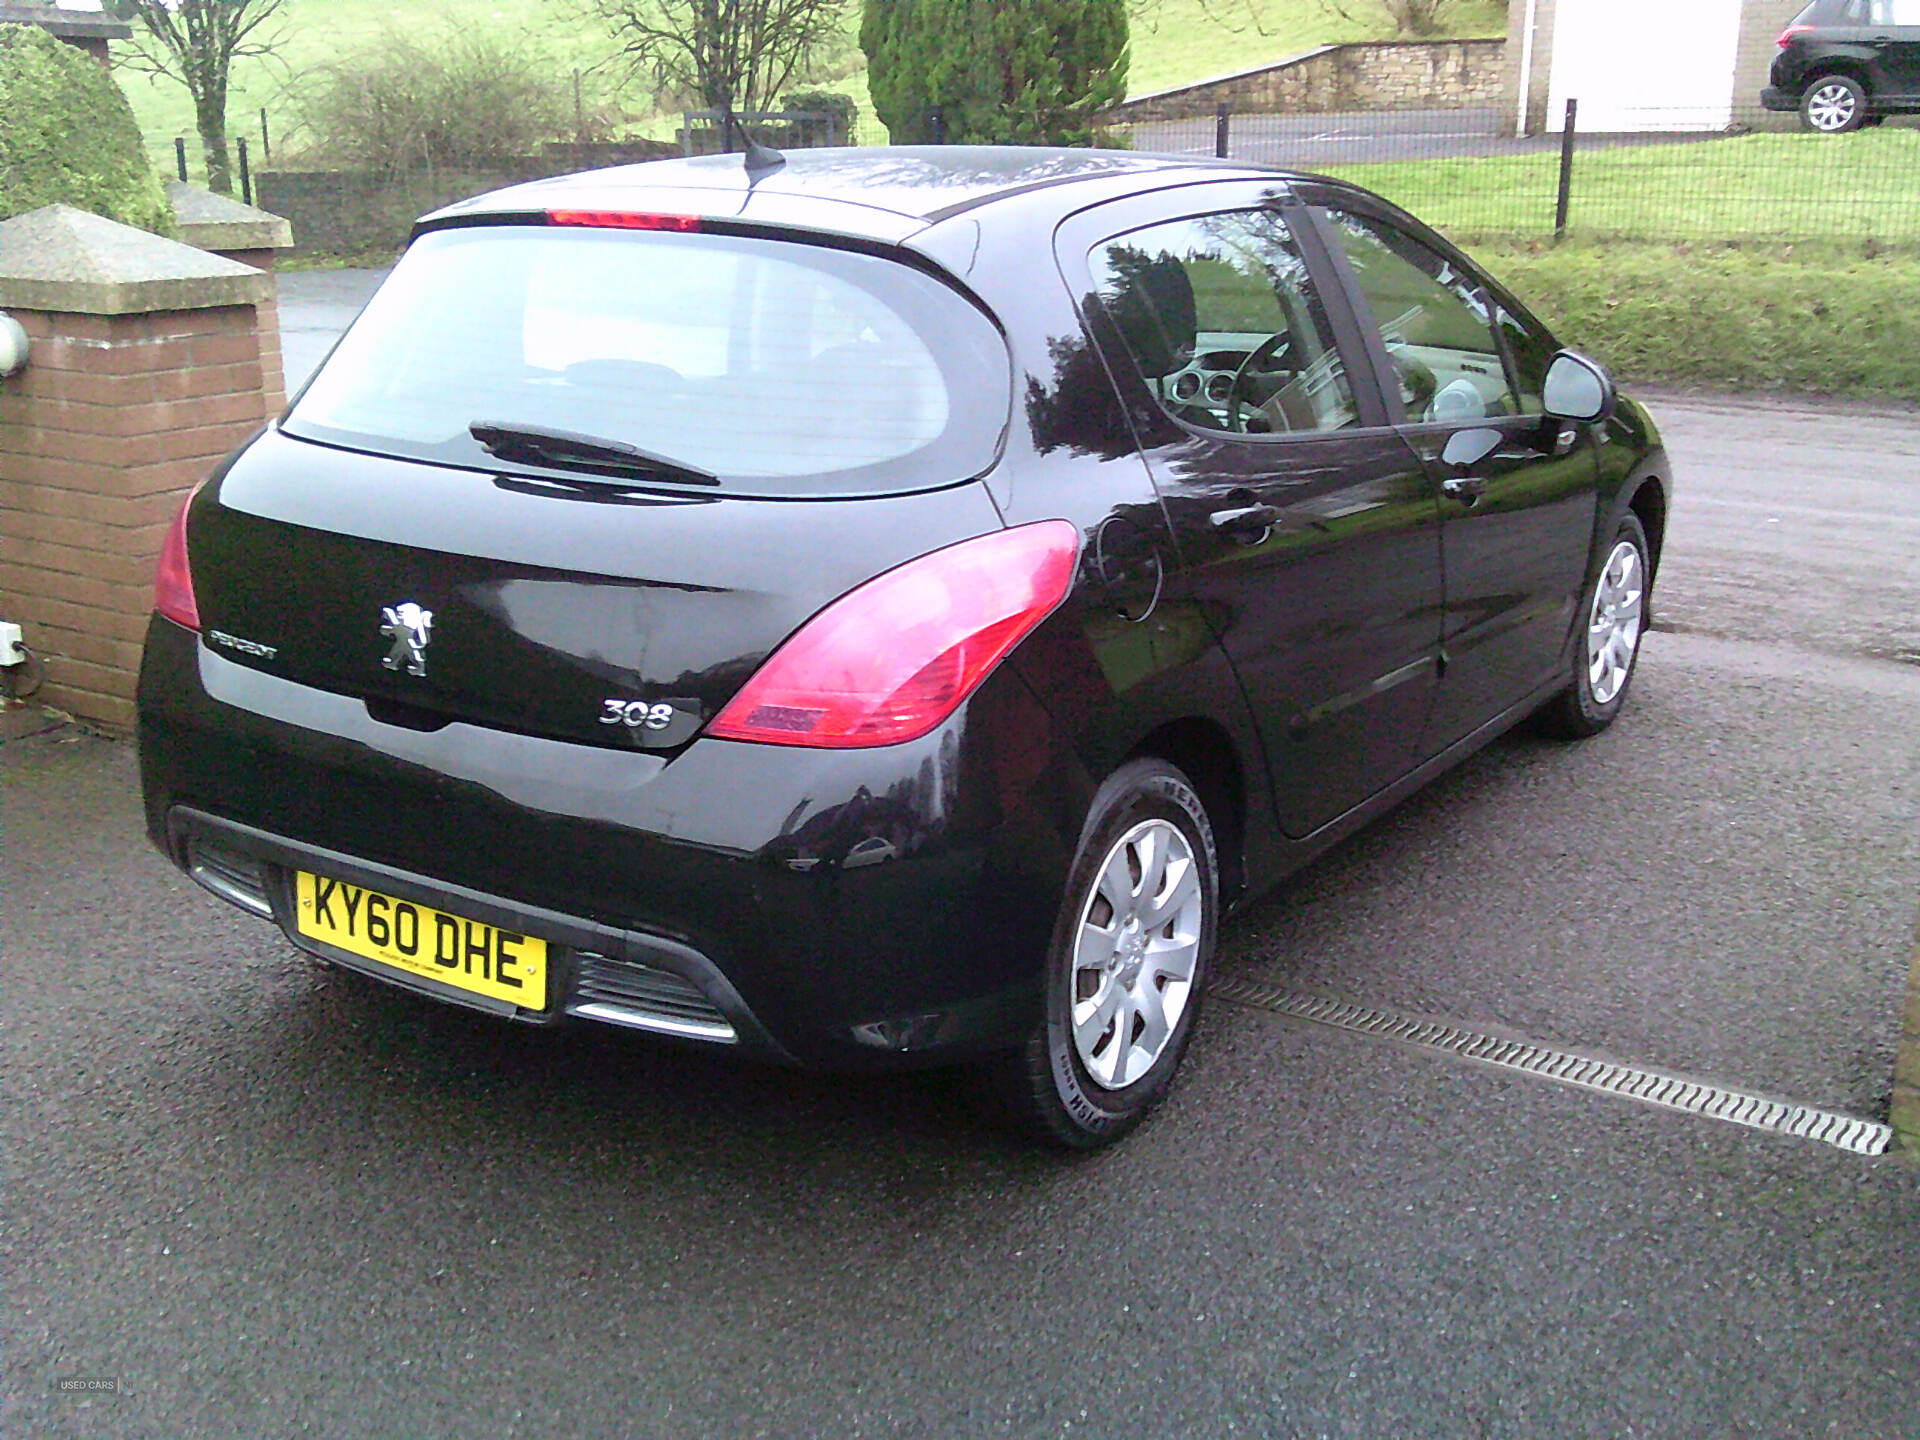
[1693,1097]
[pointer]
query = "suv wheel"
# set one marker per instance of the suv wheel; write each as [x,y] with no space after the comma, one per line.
[1833,105]
[1130,954]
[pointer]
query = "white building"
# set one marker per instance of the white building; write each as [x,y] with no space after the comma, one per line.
[1637,65]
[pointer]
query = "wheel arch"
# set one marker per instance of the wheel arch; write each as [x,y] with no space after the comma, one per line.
[1204,752]
[1649,505]
[1846,68]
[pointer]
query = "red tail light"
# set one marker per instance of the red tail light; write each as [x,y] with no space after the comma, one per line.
[1787,35]
[173,581]
[625,220]
[890,660]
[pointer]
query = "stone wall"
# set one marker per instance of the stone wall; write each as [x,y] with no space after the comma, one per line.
[348,212]
[1376,75]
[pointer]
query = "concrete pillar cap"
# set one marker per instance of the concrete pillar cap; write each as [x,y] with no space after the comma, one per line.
[219,222]
[62,258]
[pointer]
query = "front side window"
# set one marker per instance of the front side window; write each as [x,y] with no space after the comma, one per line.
[1224,325]
[1531,350]
[1436,321]
[769,365]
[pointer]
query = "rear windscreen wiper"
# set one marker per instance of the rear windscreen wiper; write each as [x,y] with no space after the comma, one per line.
[563,450]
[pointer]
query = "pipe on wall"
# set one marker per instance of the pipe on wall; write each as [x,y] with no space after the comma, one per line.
[1526,67]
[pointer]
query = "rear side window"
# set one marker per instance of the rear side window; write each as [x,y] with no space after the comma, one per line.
[1224,324]
[776,366]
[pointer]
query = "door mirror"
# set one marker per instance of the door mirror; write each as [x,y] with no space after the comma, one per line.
[1577,389]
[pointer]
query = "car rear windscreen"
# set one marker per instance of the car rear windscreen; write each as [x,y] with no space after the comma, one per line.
[779,367]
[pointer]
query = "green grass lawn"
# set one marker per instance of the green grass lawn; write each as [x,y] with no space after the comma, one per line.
[1777,188]
[1188,40]
[1790,318]
[316,33]
[1182,41]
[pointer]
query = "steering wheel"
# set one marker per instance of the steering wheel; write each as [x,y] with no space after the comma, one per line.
[1266,350]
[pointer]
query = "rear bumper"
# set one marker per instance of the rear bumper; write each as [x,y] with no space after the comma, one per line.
[841,909]
[1774,98]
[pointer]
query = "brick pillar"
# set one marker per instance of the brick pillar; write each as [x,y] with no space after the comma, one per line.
[273,373]
[1906,1066]
[244,233]
[145,370]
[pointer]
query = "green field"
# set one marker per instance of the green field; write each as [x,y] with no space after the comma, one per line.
[1181,41]
[1789,318]
[316,33]
[1771,188]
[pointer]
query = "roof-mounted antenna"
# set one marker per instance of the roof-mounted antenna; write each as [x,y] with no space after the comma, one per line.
[759,158]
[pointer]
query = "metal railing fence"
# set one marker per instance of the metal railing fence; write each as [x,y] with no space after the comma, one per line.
[1666,177]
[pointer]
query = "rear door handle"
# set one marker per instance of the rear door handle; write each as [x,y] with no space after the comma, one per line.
[1247,524]
[1467,489]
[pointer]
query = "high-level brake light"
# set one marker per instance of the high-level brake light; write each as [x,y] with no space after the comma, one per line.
[625,220]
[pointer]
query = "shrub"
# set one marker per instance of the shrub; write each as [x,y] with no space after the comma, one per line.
[843,110]
[68,135]
[456,99]
[1019,72]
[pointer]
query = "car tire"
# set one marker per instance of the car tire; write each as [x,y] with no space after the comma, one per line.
[1613,611]
[1132,946]
[1833,105]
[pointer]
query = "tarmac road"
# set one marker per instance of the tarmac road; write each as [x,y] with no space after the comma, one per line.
[270,1200]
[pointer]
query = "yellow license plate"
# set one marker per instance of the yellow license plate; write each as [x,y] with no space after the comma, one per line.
[423,941]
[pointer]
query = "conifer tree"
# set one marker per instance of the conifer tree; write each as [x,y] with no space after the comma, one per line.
[1002,72]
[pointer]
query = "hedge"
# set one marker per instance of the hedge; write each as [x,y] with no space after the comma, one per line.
[68,135]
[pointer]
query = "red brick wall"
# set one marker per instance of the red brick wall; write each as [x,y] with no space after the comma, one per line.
[272,369]
[113,420]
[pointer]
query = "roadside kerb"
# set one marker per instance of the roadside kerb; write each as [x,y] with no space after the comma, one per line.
[1905,1116]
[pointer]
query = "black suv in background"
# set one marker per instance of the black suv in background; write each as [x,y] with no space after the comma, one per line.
[1848,63]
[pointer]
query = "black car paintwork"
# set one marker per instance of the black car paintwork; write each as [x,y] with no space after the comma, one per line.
[1884,59]
[546,603]
[1331,616]
[883,905]
[737,851]
[1514,551]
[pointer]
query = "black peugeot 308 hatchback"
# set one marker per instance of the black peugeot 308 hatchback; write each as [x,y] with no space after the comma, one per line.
[883,607]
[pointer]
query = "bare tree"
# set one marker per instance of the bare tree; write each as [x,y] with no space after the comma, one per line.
[1236,16]
[196,43]
[1409,17]
[736,55]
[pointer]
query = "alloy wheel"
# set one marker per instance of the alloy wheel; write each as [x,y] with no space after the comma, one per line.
[1613,629]
[1831,107]
[1135,952]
